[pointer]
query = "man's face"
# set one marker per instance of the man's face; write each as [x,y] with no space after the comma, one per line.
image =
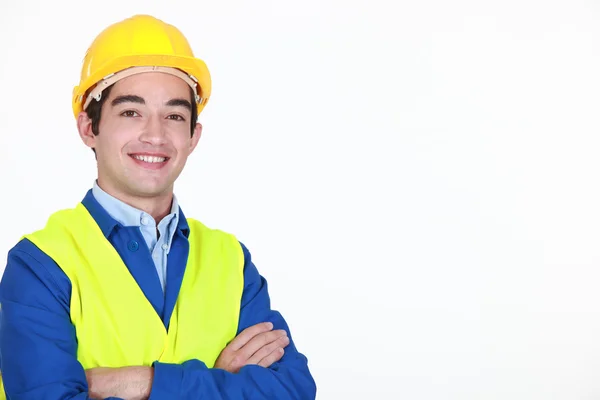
[144,135]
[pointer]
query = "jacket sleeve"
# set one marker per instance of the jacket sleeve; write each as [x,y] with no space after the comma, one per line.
[289,378]
[37,339]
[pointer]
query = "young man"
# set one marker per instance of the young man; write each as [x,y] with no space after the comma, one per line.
[122,296]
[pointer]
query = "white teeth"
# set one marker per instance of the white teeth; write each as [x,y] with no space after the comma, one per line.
[149,159]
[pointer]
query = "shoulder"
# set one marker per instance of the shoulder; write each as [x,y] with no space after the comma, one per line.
[30,274]
[205,232]
[32,277]
[62,217]
[225,237]
[198,225]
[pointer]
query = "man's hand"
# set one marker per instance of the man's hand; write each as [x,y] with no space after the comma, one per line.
[130,383]
[258,345]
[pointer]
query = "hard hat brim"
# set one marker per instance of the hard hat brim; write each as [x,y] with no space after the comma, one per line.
[194,67]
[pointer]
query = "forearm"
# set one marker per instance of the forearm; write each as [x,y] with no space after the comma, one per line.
[131,383]
[193,380]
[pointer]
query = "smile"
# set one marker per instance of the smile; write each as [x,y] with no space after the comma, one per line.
[149,159]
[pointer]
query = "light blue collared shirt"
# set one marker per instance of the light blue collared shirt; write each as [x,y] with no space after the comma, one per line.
[126,215]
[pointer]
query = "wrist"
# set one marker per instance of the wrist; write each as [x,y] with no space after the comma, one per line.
[167,380]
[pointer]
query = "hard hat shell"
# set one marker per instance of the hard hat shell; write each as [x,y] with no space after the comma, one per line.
[141,40]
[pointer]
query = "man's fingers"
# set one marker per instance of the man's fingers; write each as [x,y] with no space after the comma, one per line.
[259,341]
[272,358]
[264,351]
[247,334]
[236,354]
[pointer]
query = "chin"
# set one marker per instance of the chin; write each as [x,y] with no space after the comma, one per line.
[150,190]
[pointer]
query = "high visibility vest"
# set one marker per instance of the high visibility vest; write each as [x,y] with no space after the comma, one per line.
[115,324]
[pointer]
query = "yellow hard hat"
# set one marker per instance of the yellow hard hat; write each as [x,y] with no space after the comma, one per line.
[139,44]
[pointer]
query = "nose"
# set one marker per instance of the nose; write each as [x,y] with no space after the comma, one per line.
[154,132]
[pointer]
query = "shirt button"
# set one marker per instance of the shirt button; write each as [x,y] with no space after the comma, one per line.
[144,220]
[133,245]
[165,247]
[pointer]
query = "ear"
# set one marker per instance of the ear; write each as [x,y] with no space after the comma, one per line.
[84,126]
[195,137]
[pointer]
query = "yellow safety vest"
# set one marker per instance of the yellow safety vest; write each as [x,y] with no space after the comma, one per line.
[115,324]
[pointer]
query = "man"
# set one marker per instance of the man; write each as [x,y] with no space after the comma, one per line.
[122,296]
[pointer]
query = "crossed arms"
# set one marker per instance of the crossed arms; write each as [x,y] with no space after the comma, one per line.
[257,345]
[39,347]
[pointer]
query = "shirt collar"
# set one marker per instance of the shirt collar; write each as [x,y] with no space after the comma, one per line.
[182,224]
[102,218]
[109,212]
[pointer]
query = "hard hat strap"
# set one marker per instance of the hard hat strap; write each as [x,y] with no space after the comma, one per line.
[96,92]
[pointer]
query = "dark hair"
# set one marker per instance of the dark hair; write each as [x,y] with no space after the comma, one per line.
[94,110]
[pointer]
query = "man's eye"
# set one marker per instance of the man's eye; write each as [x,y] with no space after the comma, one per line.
[129,113]
[176,117]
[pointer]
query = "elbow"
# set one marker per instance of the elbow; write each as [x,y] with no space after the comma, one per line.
[307,388]
[311,389]
[293,384]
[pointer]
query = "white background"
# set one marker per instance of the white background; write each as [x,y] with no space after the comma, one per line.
[417,180]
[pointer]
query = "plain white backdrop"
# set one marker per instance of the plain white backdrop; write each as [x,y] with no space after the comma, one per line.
[418,181]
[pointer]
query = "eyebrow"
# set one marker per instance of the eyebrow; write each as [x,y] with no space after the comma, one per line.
[180,103]
[131,98]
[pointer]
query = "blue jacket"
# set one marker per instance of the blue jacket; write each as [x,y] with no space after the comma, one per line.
[38,344]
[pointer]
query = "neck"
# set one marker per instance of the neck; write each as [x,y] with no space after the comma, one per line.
[158,206]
